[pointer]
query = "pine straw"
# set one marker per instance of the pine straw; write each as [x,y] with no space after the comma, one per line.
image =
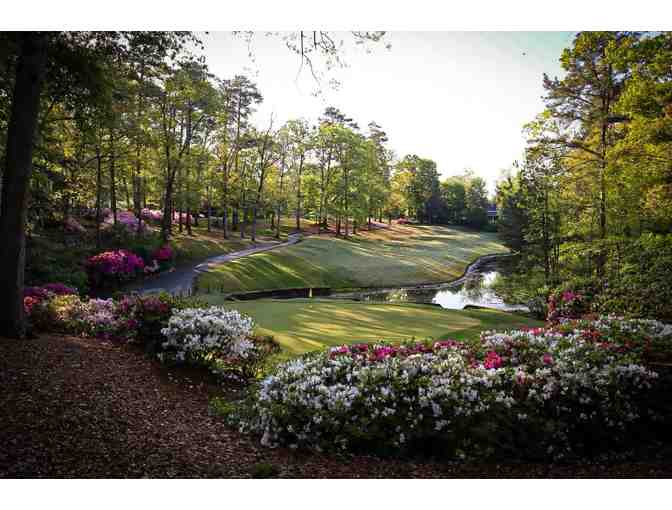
[72,407]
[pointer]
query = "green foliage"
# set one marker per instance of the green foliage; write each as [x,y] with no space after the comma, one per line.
[264,470]
[476,203]
[639,283]
[513,218]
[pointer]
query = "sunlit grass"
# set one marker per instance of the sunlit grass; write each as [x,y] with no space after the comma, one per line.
[302,325]
[401,255]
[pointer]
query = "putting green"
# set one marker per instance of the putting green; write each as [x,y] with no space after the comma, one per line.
[302,325]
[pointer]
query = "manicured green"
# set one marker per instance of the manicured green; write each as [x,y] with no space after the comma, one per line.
[302,325]
[400,255]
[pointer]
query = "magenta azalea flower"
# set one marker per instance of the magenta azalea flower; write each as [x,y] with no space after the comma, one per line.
[492,360]
[122,263]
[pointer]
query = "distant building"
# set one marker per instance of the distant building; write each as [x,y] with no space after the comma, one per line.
[492,213]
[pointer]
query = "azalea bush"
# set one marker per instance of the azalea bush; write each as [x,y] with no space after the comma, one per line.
[551,392]
[151,214]
[113,267]
[107,320]
[126,221]
[216,338]
[68,313]
[568,303]
[164,257]
[35,299]
[59,313]
[133,318]
[150,313]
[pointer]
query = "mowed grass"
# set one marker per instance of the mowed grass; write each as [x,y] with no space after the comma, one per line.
[399,255]
[302,325]
[203,244]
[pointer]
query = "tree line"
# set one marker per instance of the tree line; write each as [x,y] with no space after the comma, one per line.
[591,202]
[91,121]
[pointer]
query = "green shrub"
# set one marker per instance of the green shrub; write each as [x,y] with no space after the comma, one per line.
[264,470]
[639,281]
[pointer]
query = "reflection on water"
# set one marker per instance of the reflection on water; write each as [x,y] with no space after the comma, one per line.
[474,290]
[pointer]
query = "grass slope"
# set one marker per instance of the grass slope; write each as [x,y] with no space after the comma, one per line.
[400,255]
[302,325]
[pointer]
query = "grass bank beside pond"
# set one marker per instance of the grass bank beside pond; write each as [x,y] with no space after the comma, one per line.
[302,325]
[399,255]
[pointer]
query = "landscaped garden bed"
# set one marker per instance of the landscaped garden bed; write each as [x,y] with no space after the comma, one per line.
[580,388]
[574,389]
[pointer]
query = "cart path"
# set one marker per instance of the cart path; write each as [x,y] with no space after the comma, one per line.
[180,280]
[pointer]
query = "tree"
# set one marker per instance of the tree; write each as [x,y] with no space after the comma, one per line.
[513,217]
[30,71]
[454,195]
[583,103]
[300,139]
[422,187]
[476,200]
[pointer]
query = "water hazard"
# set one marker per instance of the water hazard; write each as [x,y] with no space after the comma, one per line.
[474,289]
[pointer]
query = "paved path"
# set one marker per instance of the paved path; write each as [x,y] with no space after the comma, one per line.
[180,280]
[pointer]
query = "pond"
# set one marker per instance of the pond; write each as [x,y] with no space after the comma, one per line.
[474,289]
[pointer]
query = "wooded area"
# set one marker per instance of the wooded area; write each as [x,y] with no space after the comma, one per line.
[134,127]
[590,205]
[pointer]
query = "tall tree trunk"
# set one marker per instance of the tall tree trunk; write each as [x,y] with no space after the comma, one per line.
[30,70]
[243,220]
[167,222]
[127,192]
[113,178]
[208,193]
[225,205]
[253,235]
[99,183]
[298,195]
[345,199]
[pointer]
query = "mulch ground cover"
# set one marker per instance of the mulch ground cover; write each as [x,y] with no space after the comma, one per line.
[81,408]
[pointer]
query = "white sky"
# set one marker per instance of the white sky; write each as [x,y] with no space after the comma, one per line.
[458,98]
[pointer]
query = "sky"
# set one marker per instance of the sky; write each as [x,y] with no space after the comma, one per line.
[458,98]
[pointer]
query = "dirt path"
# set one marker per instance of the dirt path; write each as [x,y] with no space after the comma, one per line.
[72,407]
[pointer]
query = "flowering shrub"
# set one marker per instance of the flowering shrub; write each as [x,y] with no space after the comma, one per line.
[107,320]
[127,221]
[63,313]
[163,254]
[151,214]
[34,297]
[113,266]
[566,304]
[57,289]
[163,257]
[136,318]
[648,339]
[544,392]
[213,337]
[149,313]
[176,217]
